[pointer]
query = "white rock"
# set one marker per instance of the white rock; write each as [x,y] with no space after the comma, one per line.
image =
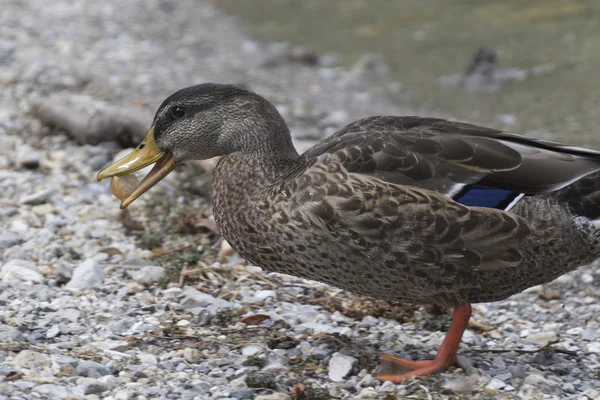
[368,393]
[109,381]
[340,366]
[122,395]
[192,355]
[264,294]
[17,276]
[273,396]
[86,275]
[196,299]
[146,358]
[148,274]
[53,391]
[112,345]
[18,263]
[594,348]
[42,209]
[542,338]
[70,314]
[10,333]
[16,272]
[252,350]
[495,384]
[530,392]
[53,332]
[91,386]
[31,359]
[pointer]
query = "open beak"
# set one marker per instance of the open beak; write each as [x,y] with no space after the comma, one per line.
[145,154]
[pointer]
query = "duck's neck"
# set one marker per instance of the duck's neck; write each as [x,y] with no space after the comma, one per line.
[240,185]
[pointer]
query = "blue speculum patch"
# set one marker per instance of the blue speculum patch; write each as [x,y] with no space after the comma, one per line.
[486,196]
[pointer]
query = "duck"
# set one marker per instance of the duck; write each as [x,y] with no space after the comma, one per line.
[408,209]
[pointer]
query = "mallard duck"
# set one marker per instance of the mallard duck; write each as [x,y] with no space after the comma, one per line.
[407,209]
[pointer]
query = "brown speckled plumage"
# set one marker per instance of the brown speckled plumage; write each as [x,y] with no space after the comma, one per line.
[372,208]
[325,216]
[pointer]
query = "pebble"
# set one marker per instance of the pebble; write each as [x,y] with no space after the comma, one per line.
[91,386]
[273,396]
[91,369]
[16,272]
[542,338]
[340,366]
[10,333]
[148,274]
[9,240]
[40,197]
[86,275]
[53,391]
[31,359]
[192,355]
[196,299]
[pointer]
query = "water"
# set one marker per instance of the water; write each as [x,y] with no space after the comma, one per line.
[425,40]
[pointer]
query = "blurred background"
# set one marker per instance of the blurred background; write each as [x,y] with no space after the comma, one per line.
[544,78]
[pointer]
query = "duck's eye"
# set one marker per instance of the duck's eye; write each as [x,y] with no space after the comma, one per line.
[178,112]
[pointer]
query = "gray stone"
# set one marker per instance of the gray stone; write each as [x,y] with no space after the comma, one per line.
[368,321]
[538,381]
[568,387]
[64,273]
[9,240]
[86,275]
[196,299]
[542,338]
[112,345]
[148,274]
[495,384]
[16,263]
[53,332]
[52,391]
[10,333]
[122,395]
[31,359]
[252,350]
[242,394]
[70,314]
[61,359]
[192,355]
[530,392]
[40,197]
[340,366]
[91,369]
[18,275]
[91,386]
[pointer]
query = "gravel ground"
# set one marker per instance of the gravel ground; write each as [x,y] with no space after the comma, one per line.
[97,303]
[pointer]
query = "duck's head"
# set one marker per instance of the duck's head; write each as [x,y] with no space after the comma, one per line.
[202,122]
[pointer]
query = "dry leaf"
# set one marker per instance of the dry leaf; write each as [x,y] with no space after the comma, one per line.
[254,319]
[298,391]
[479,326]
[13,376]
[549,294]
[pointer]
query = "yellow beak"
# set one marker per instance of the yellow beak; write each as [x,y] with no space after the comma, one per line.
[145,154]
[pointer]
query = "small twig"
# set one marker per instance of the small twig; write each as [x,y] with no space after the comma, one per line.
[547,347]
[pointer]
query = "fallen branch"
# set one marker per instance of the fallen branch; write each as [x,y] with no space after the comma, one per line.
[89,121]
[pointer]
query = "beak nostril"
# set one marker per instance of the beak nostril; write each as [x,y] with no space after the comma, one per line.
[141,146]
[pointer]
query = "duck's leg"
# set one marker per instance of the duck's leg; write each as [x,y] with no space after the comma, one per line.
[445,357]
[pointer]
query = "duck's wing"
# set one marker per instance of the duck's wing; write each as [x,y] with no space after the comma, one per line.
[449,157]
[420,233]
